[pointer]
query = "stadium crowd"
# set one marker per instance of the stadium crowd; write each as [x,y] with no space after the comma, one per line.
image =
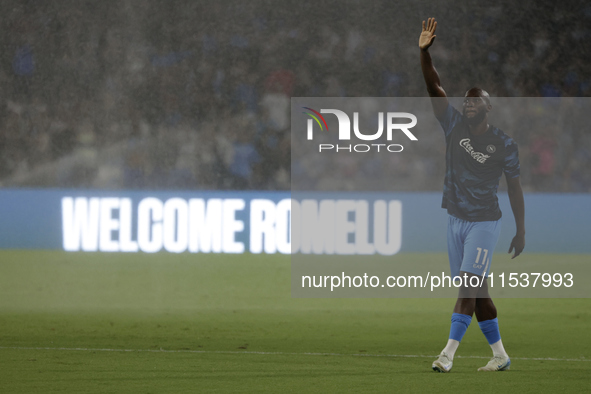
[196,95]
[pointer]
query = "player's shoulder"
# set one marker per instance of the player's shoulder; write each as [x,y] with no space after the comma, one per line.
[503,137]
[450,114]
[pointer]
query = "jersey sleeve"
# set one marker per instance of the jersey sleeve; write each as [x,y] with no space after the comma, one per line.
[511,162]
[450,118]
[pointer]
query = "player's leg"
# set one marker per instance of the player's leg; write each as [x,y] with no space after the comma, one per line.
[486,314]
[456,230]
[479,246]
[460,321]
[485,309]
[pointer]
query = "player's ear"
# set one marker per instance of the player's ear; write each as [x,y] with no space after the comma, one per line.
[488,107]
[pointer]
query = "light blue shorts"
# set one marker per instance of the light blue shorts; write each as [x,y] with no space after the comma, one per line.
[470,245]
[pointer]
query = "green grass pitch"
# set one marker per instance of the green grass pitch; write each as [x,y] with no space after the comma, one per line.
[122,323]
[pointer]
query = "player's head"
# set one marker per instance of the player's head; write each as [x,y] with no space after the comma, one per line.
[476,105]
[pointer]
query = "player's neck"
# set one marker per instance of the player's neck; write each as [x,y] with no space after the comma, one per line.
[480,128]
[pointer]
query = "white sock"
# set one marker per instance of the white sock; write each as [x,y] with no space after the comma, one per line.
[452,346]
[498,349]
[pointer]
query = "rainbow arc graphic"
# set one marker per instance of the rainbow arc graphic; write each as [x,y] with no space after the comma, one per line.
[315,116]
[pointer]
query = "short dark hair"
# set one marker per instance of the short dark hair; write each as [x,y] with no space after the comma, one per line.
[480,92]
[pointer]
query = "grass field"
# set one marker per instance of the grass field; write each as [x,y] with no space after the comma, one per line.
[120,323]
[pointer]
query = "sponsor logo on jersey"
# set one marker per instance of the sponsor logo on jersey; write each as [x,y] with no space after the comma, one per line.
[478,156]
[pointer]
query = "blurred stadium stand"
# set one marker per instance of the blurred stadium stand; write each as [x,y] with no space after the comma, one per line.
[195,95]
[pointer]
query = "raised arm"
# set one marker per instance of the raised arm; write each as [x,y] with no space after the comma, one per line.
[518,207]
[429,73]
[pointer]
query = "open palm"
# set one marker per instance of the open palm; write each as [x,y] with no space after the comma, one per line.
[428,34]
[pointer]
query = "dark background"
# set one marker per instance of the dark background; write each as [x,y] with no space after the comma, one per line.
[195,95]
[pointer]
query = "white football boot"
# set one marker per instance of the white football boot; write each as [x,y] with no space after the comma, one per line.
[443,363]
[497,363]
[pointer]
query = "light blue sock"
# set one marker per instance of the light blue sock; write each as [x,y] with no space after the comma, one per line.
[490,329]
[459,325]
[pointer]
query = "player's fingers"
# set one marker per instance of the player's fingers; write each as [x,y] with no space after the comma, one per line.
[423,25]
[429,24]
[434,27]
[518,251]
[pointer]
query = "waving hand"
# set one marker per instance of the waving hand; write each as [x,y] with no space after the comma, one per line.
[428,34]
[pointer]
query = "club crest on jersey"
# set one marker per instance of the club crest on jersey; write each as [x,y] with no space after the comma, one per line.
[478,156]
[491,149]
